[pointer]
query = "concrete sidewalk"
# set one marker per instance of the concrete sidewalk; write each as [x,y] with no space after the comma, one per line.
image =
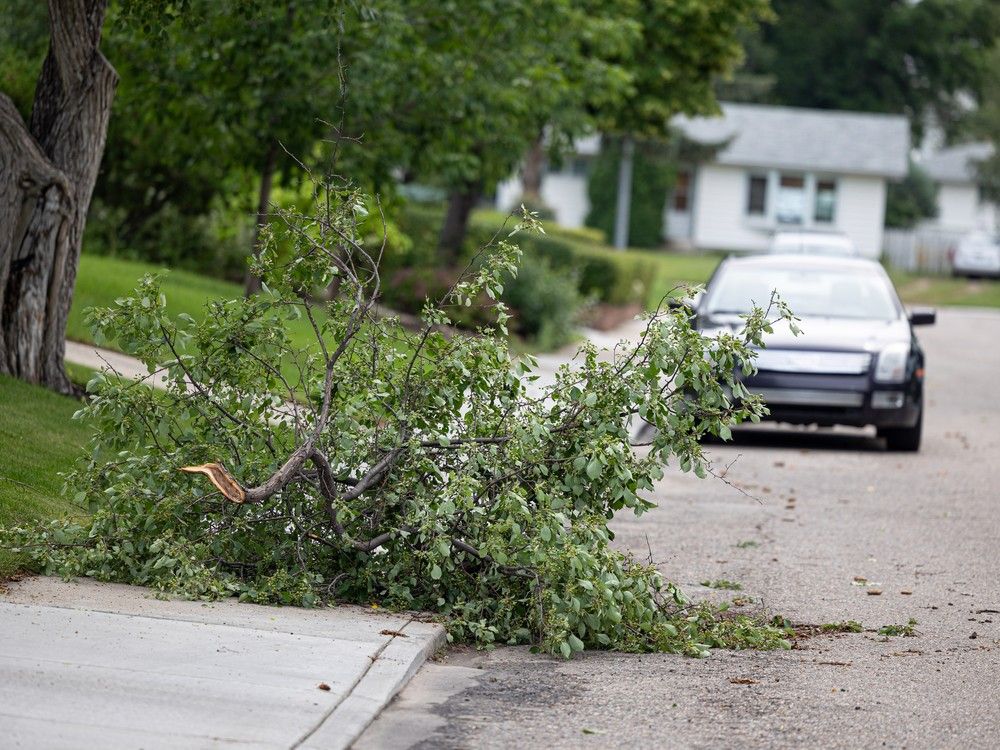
[97,358]
[87,664]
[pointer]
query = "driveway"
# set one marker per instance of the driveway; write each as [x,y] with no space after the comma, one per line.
[840,530]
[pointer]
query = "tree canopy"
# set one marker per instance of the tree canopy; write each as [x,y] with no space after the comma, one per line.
[919,59]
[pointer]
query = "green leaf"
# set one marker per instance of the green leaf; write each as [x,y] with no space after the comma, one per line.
[436,572]
[594,469]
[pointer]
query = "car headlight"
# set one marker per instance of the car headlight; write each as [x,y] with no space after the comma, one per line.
[891,365]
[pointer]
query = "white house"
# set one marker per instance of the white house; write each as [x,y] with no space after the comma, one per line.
[776,167]
[960,201]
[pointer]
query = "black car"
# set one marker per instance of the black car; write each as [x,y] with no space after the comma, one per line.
[857,361]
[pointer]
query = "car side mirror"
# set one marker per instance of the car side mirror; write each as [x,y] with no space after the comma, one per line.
[923,316]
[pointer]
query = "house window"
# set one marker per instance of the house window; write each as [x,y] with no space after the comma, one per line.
[757,195]
[790,206]
[824,210]
[682,192]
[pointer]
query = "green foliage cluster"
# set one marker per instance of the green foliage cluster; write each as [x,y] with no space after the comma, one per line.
[213,243]
[722,583]
[23,41]
[984,124]
[545,302]
[215,95]
[394,467]
[602,274]
[910,200]
[892,56]
[909,630]
[845,626]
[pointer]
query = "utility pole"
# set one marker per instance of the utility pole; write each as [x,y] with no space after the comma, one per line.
[623,206]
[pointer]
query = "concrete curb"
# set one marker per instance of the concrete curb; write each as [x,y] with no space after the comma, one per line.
[389,673]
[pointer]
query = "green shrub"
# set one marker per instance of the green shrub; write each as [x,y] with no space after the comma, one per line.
[215,244]
[545,303]
[912,199]
[409,289]
[604,274]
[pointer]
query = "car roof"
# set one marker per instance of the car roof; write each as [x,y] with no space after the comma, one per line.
[797,260]
[812,237]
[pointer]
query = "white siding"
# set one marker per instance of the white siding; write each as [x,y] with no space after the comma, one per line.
[958,206]
[861,212]
[564,193]
[721,221]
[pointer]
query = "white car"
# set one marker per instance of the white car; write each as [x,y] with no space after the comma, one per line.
[813,243]
[977,254]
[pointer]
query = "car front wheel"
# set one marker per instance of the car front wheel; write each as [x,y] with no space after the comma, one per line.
[903,438]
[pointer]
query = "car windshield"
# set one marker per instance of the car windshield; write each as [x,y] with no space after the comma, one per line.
[809,292]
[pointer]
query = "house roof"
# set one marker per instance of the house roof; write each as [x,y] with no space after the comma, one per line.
[958,163]
[805,139]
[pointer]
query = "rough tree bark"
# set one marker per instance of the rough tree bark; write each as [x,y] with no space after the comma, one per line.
[531,174]
[456,221]
[48,168]
[252,285]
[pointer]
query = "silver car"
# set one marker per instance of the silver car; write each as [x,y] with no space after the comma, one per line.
[977,254]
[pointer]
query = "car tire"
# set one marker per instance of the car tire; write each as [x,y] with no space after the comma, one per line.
[905,439]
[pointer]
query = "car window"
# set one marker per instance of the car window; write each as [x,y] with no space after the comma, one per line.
[810,292]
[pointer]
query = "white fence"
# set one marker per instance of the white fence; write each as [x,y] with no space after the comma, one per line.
[921,249]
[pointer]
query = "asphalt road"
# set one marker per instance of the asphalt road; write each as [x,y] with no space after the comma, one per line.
[922,529]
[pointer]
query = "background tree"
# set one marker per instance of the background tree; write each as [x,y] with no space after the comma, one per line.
[48,167]
[985,125]
[230,95]
[918,59]
[910,200]
[456,92]
[49,162]
[683,46]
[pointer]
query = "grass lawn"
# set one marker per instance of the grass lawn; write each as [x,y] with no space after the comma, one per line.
[38,439]
[944,290]
[677,268]
[101,280]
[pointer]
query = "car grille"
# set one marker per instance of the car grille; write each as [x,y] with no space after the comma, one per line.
[830,363]
[810,397]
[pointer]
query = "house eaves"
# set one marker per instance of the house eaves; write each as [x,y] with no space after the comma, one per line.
[957,164]
[830,141]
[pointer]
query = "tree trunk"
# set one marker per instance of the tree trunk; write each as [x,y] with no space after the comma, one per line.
[263,211]
[531,174]
[47,173]
[456,222]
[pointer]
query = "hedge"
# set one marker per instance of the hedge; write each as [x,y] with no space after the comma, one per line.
[606,275]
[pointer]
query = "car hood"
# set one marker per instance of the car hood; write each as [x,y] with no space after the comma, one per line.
[825,334]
